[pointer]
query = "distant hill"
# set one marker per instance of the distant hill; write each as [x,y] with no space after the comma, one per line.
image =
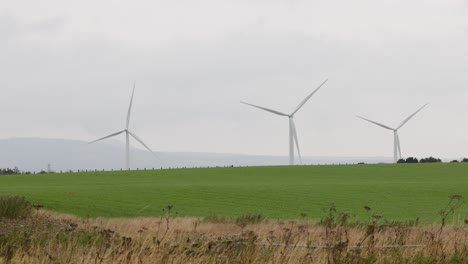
[33,154]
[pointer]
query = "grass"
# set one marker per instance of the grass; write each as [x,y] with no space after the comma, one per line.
[14,207]
[400,192]
[46,237]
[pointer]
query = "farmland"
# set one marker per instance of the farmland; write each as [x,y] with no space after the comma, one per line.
[398,192]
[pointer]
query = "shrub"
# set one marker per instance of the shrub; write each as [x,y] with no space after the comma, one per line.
[430,160]
[8,171]
[464,160]
[216,219]
[14,207]
[14,171]
[408,160]
[412,160]
[250,219]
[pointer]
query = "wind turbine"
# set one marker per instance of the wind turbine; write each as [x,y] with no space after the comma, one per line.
[128,133]
[292,126]
[396,138]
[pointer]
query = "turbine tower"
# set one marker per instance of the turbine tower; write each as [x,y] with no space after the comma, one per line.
[396,139]
[292,126]
[128,133]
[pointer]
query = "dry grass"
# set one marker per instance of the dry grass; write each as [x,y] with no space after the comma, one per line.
[52,238]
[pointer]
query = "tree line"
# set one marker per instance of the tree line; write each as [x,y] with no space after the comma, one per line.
[16,170]
[427,160]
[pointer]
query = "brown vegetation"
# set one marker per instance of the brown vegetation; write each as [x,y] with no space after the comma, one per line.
[30,235]
[51,238]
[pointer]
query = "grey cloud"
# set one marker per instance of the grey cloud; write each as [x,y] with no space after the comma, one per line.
[48,25]
[14,27]
[9,26]
[76,84]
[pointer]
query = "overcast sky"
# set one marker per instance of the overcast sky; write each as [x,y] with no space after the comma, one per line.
[67,69]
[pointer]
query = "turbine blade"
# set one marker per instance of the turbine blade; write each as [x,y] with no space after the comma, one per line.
[411,116]
[296,140]
[266,109]
[142,143]
[307,98]
[373,122]
[111,135]
[130,108]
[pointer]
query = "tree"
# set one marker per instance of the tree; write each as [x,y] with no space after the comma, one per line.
[412,160]
[430,160]
[8,171]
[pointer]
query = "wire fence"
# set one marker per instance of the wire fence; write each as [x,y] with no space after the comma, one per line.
[329,247]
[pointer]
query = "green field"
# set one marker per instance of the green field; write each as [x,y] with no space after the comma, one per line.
[398,192]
